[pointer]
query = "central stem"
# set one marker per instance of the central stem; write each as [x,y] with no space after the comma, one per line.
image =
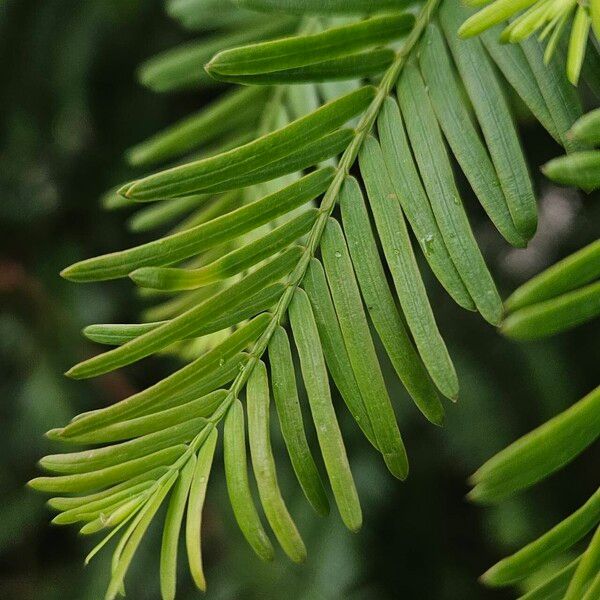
[328,203]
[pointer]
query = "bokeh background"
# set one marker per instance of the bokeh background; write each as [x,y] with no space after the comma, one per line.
[70,106]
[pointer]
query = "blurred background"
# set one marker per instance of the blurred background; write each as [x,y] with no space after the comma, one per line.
[70,106]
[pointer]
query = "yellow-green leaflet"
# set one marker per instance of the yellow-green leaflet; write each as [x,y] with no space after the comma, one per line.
[360,347]
[457,124]
[188,323]
[193,523]
[588,567]
[236,474]
[381,305]
[428,146]
[587,128]
[540,452]
[401,260]
[172,527]
[314,374]
[222,172]
[496,12]
[291,422]
[541,551]
[181,386]
[307,49]
[578,43]
[178,246]
[334,348]
[263,464]
[555,586]
[555,315]
[581,169]
[568,274]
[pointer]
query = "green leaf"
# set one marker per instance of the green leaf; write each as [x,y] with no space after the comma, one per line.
[182,67]
[220,172]
[285,394]
[431,156]
[190,322]
[116,334]
[204,406]
[133,537]
[405,272]
[555,587]
[176,247]
[83,482]
[233,111]
[587,128]
[496,12]
[151,217]
[354,66]
[540,452]
[263,464]
[232,263]
[519,71]
[588,568]
[578,43]
[236,474]
[86,461]
[196,497]
[308,49]
[334,347]
[456,122]
[330,439]
[360,347]
[181,386]
[381,305]
[555,315]
[568,274]
[561,537]
[493,114]
[172,527]
[581,169]
[324,7]
[407,189]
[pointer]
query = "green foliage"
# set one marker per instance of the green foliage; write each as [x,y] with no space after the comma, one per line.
[549,17]
[259,244]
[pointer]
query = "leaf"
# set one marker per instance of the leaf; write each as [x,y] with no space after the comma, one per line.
[588,567]
[555,315]
[182,67]
[151,217]
[236,475]
[561,537]
[190,322]
[196,497]
[578,43]
[456,122]
[187,383]
[134,537]
[361,351]
[407,189]
[330,439]
[539,453]
[491,15]
[285,394]
[432,158]
[263,464]
[232,263]
[308,49]
[405,273]
[233,111]
[176,247]
[581,169]
[381,305]
[172,527]
[84,482]
[587,128]
[555,586]
[219,173]
[324,7]
[354,66]
[572,272]
[494,117]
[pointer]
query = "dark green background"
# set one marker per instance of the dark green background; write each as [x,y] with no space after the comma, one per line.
[69,107]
